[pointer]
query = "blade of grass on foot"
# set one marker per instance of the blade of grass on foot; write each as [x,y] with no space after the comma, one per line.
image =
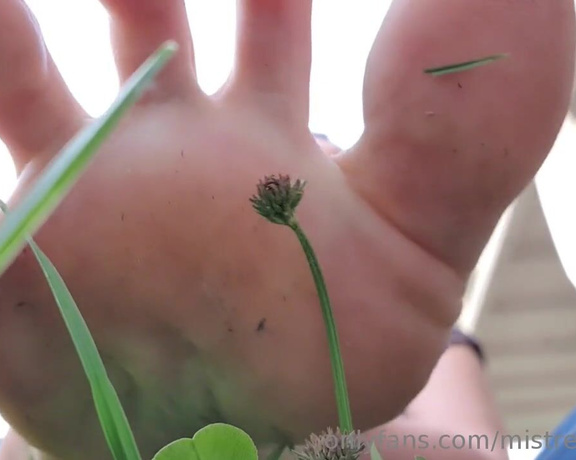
[108,407]
[463,66]
[374,454]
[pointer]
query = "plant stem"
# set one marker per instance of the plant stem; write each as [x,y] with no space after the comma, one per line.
[338,374]
[277,453]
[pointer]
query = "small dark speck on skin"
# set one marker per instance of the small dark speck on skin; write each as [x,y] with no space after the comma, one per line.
[482,144]
[261,325]
[459,85]
[454,150]
[284,298]
[21,304]
[212,196]
[506,152]
[230,329]
[182,153]
[122,217]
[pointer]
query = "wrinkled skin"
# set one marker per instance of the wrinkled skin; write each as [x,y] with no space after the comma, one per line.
[202,310]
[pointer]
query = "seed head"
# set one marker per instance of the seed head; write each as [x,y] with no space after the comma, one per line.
[277,197]
[331,445]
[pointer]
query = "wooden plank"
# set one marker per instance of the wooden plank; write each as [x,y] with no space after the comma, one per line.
[502,382]
[528,326]
[535,424]
[546,363]
[527,344]
[542,400]
[522,326]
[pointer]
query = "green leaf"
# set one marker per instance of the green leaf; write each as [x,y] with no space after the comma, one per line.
[65,169]
[221,441]
[419,458]
[462,66]
[218,441]
[112,417]
[374,454]
[182,449]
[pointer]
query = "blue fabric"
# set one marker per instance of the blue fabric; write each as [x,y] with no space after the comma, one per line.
[322,136]
[561,450]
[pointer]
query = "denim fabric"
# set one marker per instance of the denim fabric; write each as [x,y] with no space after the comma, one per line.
[562,443]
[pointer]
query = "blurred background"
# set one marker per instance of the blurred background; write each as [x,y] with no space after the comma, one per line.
[520,301]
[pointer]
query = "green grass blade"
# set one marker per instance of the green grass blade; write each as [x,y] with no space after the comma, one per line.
[463,66]
[374,454]
[277,453]
[108,407]
[45,195]
[65,169]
